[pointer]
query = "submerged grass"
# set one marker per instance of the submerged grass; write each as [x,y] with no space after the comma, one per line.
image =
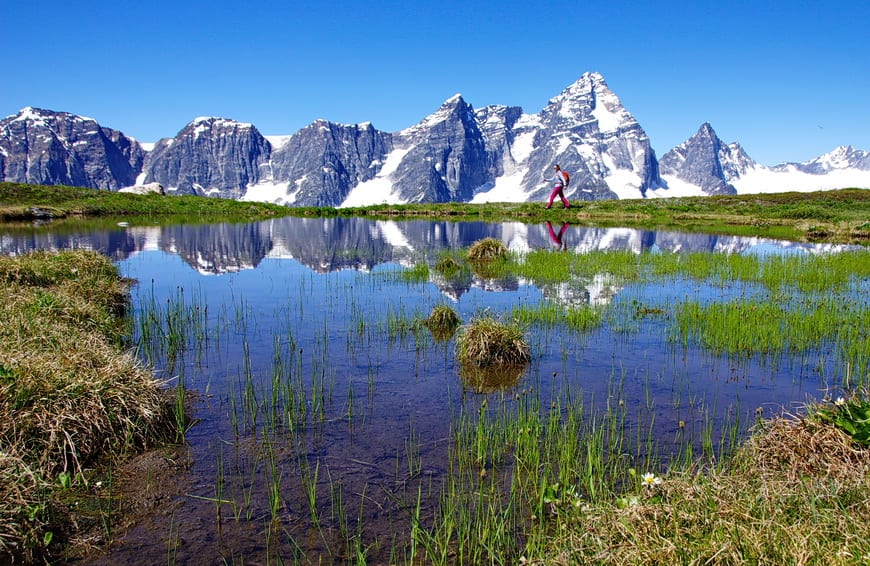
[69,394]
[528,485]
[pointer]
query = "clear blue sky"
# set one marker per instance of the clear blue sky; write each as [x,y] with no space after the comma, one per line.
[788,80]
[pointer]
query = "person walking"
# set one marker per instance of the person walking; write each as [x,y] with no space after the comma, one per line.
[561,181]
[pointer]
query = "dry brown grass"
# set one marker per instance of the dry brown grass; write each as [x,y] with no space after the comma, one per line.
[69,395]
[488,249]
[487,342]
[443,322]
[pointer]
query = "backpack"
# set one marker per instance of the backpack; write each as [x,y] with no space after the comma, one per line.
[566,177]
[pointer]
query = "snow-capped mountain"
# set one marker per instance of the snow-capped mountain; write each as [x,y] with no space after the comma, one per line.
[705,165]
[457,153]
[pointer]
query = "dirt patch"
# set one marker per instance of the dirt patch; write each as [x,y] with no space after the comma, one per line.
[146,491]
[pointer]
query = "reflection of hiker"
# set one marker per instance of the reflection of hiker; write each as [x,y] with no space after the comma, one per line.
[561,180]
[558,240]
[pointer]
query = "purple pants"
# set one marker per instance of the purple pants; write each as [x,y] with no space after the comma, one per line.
[557,190]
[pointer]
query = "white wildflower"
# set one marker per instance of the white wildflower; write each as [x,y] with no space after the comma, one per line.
[650,480]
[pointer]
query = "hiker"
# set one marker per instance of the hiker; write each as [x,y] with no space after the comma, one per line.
[558,239]
[561,180]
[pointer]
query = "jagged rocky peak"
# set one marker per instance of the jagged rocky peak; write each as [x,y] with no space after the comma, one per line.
[50,119]
[54,148]
[587,130]
[706,161]
[446,157]
[452,110]
[589,101]
[209,125]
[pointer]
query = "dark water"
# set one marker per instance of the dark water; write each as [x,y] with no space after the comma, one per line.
[321,303]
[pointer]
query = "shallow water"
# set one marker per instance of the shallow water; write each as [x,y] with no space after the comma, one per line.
[314,314]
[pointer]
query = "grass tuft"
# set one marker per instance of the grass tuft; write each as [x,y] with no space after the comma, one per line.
[486,250]
[443,322]
[487,342]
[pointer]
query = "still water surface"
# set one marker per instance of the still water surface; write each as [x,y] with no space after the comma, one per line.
[323,301]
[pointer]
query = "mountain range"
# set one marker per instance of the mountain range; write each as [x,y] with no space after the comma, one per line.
[456,154]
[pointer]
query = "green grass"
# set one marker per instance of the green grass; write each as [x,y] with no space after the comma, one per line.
[824,216]
[28,202]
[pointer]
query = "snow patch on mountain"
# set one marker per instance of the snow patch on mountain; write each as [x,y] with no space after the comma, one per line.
[276,192]
[626,184]
[277,142]
[676,187]
[380,189]
[507,188]
[608,120]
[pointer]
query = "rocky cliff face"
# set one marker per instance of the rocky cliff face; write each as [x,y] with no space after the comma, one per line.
[209,156]
[322,162]
[57,148]
[445,157]
[705,161]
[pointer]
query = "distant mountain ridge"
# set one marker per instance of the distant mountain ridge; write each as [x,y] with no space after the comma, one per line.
[455,154]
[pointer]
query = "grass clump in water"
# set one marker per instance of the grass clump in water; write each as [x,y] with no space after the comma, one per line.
[487,250]
[488,342]
[443,322]
[69,395]
[448,266]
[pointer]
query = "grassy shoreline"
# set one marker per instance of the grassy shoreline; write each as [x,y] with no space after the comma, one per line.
[71,395]
[838,216]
